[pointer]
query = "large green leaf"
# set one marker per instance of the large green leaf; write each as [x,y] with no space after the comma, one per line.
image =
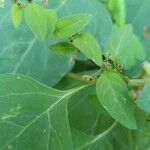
[21,53]
[100,25]
[119,137]
[113,95]
[143,100]
[70,25]
[35,115]
[41,21]
[87,44]
[80,138]
[82,141]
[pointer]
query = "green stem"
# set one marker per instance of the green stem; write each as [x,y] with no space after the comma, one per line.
[130,82]
[79,77]
[136,82]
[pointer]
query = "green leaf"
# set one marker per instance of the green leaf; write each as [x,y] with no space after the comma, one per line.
[144,124]
[82,141]
[146,133]
[41,21]
[113,95]
[140,20]
[88,45]
[120,46]
[1,3]
[118,11]
[143,101]
[62,48]
[137,48]
[35,115]
[70,25]
[80,138]
[16,15]
[143,116]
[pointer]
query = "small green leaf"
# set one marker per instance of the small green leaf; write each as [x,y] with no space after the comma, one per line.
[41,21]
[16,15]
[88,45]
[125,47]
[118,11]
[137,48]
[143,100]
[120,46]
[70,25]
[113,95]
[62,48]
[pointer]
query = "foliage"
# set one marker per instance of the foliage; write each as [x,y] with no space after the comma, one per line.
[72,75]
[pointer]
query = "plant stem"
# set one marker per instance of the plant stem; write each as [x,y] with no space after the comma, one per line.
[79,77]
[130,82]
[136,82]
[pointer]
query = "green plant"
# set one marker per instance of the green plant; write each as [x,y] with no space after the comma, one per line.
[82,94]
